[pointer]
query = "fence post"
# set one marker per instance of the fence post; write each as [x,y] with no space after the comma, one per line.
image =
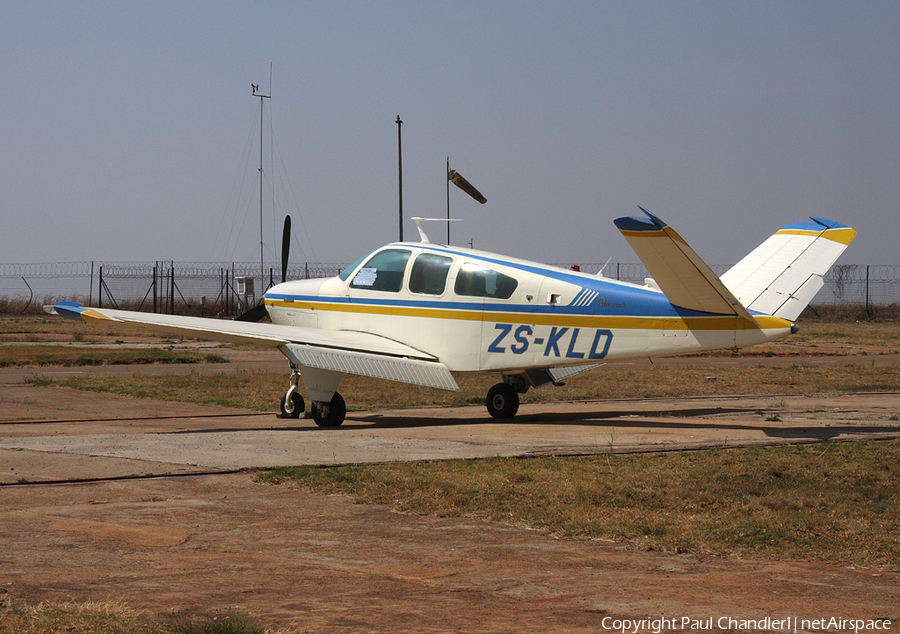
[868,309]
[100,290]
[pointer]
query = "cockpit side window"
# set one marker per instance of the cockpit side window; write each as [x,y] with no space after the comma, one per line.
[429,274]
[474,280]
[383,272]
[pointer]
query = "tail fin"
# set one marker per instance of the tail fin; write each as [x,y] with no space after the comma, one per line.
[782,275]
[676,268]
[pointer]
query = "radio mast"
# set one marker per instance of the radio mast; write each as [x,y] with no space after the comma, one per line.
[262,266]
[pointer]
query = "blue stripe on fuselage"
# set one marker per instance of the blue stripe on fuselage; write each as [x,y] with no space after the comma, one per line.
[613,298]
[619,302]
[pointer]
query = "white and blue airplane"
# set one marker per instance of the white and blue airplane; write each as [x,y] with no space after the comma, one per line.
[416,312]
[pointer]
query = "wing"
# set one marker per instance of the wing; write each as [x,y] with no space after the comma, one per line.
[686,280]
[337,350]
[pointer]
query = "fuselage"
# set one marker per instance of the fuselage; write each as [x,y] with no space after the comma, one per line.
[475,310]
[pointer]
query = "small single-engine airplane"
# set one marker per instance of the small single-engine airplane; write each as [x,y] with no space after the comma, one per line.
[415,312]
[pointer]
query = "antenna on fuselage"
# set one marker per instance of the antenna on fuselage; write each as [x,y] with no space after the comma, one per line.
[422,234]
[602,268]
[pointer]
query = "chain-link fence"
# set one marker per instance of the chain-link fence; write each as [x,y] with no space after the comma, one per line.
[849,284]
[226,289]
[206,288]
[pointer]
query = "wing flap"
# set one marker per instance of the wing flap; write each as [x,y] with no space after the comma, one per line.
[684,278]
[403,369]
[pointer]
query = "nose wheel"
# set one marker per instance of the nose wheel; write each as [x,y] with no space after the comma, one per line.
[292,405]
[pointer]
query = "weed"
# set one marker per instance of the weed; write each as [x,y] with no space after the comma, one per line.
[218,624]
[833,502]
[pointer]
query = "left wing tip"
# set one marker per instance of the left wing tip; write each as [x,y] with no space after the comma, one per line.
[76,311]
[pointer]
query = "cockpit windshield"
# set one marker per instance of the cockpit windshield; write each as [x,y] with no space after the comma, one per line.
[345,274]
[383,271]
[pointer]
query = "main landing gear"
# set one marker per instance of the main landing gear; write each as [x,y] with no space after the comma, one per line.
[502,401]
[329,414]
[325,413]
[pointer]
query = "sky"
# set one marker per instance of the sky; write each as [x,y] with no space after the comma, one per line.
[129,130]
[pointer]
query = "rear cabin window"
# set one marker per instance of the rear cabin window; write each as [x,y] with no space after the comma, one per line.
[429,274]
[477,281]
[383,272]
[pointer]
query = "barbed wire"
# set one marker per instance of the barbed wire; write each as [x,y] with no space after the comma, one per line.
[875,283]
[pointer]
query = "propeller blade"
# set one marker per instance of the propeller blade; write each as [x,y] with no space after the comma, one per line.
[285,247]
[457,179]
[254,314]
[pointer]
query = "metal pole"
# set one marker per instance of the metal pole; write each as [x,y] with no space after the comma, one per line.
[447,178]
[400,171]
[262,267]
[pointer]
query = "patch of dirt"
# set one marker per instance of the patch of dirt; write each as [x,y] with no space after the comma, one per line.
[312,563]
[323,564]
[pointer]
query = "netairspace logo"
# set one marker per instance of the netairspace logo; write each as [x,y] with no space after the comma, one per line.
[791,624]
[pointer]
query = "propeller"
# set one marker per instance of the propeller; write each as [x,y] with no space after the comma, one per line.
[259,311]
[285,247]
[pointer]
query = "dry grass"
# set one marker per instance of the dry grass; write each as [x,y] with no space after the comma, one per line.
[262,391]
[41,356]
[55,329]
[835,502]
[111,618]
[75,618]
[834,338]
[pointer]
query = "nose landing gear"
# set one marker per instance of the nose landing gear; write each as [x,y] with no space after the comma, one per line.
[325,413]
[292,405]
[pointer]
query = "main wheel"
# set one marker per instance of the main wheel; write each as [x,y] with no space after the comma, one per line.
[502,401]
[329,414]
[297,406]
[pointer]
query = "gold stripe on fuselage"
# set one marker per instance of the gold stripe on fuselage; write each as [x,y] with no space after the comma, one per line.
[714,322]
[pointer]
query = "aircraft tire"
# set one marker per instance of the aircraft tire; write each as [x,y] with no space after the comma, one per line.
[329,414]
[502,401]
[299,406]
